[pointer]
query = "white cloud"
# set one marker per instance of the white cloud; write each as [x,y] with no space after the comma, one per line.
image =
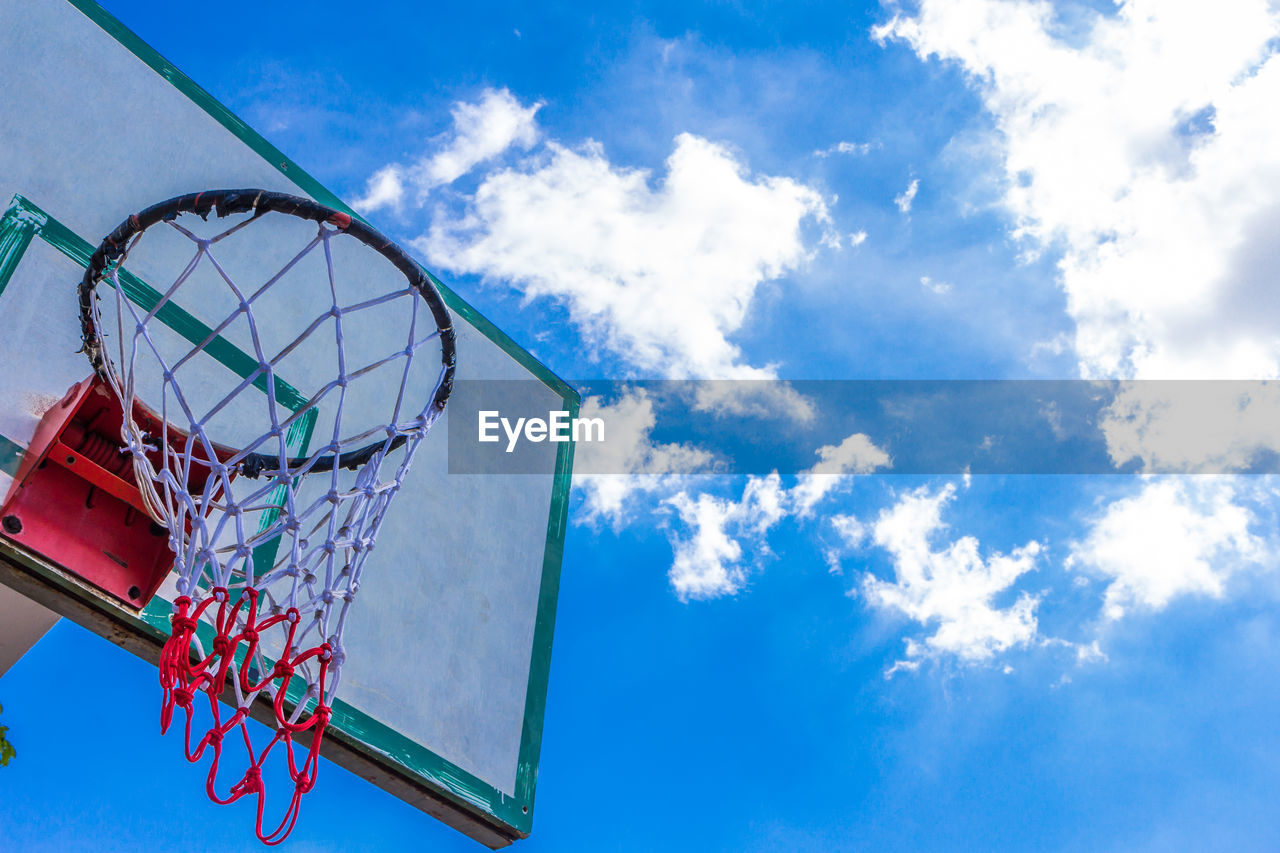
[1192,427]
[481,131]
[385,189]
[857,454]
[843,147]
[949,586]
[851,530]
[709,550]
[857,238]
[938,287]
[709,562]
[633,463]
[1142,144]
[908,196]
[773,399]
[661,275]
[1177,536]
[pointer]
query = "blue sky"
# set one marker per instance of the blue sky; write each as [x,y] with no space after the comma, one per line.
[958,189]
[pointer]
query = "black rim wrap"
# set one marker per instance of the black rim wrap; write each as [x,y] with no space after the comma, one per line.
[113,250]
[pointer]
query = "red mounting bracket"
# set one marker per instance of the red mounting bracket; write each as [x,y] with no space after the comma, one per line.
[75,500]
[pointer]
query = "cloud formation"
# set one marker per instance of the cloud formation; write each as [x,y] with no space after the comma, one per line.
[1140,144]
[949,587]
[481,131]
[709,562]
[1178,536]
[938,287]
[843,147]
[661,275]
[1193,427]
[630,448]
[907,197]
[857,454]
[709,553]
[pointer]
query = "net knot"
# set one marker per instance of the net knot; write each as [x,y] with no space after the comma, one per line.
[182,697]
[282,669]
[252,781]
[183,624]
[250,634]
[222,646]
[220,594]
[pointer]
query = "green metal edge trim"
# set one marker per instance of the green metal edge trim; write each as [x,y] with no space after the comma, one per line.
[544,624]
[18,227]
[515,814]
[301,178]
[11,454]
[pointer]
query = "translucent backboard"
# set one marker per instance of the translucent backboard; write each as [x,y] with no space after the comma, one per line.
[98,126]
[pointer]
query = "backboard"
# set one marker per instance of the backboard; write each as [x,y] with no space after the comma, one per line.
[98,126]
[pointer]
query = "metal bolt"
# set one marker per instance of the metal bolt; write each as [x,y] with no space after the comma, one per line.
[12,524]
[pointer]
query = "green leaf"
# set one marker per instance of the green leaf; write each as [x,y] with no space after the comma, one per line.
[6,749]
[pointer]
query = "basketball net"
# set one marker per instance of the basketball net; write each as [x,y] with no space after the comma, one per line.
[269,544]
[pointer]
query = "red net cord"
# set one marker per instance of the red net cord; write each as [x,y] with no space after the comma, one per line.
[182,680]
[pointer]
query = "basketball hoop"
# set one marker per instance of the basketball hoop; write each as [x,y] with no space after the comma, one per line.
[269,539]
